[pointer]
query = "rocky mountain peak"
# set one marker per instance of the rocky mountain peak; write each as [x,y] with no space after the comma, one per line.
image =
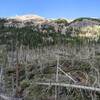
[28,17]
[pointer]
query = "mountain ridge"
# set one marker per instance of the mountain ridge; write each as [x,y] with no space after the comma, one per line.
[48,30]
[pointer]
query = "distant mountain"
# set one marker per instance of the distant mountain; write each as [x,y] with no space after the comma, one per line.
[83,22]
[22,21]
[34,30]
[29,18]
[25,20]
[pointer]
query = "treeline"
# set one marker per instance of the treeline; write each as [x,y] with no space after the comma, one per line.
[34,37]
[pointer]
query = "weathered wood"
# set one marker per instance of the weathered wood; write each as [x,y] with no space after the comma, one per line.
[71,86]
